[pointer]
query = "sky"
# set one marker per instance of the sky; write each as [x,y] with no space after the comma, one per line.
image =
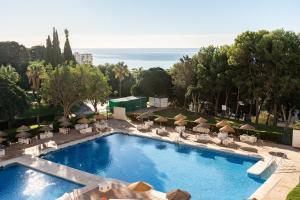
[143,23]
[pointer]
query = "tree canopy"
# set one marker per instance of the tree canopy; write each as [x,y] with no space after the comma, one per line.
[13,99]
[69,84]
[153,82]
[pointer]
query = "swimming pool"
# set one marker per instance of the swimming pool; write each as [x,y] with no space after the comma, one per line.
[18,182]
[206,174]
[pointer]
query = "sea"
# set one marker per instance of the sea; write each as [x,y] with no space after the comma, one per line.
[139,57]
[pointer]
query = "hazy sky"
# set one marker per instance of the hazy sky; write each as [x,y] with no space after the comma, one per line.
[143,23]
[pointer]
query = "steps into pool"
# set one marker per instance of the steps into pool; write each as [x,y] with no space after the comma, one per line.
[260,167]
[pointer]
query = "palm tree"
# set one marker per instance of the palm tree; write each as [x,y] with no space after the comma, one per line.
[35,72]
[121,71]
[10,73]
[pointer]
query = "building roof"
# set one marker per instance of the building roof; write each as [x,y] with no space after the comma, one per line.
[124,99]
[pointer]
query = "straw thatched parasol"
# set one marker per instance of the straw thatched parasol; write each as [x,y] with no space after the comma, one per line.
[2,140]
[161,119]
[45,128]
[23,135]
[44,123]
[221,124]
[63,119]
[227,129]
[200,120]
[83,121]
[179,117]
[178,195]
[82,115]
[181,122]
[65,124]
[145,115]
[247,127]
[204,125]
[22,129]
[99,116]
[3,134]
[139,187]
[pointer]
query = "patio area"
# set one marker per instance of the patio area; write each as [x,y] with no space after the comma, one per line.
[277,186]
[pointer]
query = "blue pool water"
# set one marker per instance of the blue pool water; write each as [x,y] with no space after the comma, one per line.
[21,183]
[206,174]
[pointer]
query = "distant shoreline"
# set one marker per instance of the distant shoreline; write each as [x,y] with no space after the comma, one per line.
[138,57]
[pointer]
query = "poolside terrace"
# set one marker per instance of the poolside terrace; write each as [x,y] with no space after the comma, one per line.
[276,187]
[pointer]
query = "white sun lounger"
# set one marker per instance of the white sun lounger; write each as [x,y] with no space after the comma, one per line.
[247,138]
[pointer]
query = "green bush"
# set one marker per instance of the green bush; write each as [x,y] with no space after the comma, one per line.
[294,194]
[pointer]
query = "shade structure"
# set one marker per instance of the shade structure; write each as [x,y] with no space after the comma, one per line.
[45,128]
[83,121]
[45,123]
[63,119]
[82,115]
[178,195]
[221,124]
[227,129]
[3,134]
[139,186]
[161,119]
[22,128]
[200,120]
[23,135]
[181,122]
[65,124]
[204,125]
[179,117]
[99,116]
[2,140]
[247,127]
[145,115]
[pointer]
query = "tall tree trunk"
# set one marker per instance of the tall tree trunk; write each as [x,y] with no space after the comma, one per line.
[275,113]
[95,106]
[268,118]
[66,111]
[257,110]
[250,109]
[217,103]
[237,102]
[120,88]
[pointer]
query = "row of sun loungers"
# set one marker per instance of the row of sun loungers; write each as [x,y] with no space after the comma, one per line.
[2,152]
[46,135]
[248,138]
[24,140]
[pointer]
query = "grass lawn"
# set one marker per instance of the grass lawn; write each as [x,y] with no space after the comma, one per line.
[171,112]
[294,194]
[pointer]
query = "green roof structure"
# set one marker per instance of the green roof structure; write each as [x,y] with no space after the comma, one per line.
[130,103]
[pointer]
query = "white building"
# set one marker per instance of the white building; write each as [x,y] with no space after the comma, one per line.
[83,58]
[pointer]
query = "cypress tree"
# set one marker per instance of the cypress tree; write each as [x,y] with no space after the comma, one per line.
[49,51]
[57,57]
[68,55]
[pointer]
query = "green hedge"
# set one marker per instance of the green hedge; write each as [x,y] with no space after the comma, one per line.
[25,121]
[282,138]
[294,194]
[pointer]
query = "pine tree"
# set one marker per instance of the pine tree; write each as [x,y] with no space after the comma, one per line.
[68,55]
[49,51]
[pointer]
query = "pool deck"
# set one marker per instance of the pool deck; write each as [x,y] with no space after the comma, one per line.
[276,187]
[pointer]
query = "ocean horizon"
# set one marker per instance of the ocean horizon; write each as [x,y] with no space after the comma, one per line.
[138,57]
